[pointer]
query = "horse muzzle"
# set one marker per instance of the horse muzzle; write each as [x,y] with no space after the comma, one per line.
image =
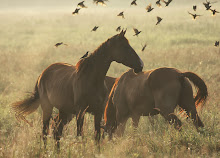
[137,70]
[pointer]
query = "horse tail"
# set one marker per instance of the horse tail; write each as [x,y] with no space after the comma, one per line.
[202,92]
[27,106]
[110,110]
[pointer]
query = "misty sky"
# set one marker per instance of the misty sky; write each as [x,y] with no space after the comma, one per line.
[62,3]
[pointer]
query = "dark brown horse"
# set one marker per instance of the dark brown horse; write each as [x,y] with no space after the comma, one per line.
[80,88]
[153,92]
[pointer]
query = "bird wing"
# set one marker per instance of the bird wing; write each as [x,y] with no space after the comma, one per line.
[135,30]
[133,3]
[190,13]
[148,7]
[159,18]
[158,4]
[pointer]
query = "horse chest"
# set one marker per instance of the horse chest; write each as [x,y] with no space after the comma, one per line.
[89,94]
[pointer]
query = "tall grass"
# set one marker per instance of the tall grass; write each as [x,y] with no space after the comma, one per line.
[27,48]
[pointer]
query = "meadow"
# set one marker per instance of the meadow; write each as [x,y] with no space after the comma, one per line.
[27,39]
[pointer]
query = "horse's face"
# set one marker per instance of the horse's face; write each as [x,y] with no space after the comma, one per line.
[122,52]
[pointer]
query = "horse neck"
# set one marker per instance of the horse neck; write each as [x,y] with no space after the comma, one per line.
[96,65]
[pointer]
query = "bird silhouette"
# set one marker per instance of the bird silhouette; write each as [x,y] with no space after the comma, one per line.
[158,3]
[159,19]
[136,32]
[214,11]
[95,28]
[118,28]
[167,3]
[100,2]
[76,11]
[60,43]
[134,2]
[194,15]
[207,4]
[121,14]
[149,8]
[216,44]
[194,7]
[81,4]
[85,55]
[143,47]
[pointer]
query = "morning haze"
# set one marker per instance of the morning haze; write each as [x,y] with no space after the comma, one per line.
[30,29]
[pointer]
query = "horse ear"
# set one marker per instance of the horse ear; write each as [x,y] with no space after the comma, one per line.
[121,33]
[124,32]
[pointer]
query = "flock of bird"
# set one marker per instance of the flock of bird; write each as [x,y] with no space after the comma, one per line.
[149,8]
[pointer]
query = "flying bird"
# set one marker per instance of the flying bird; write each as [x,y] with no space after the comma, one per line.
[207,4]
[149,8]
[159,19]
[95,28]
[76,11]
[81,4]
[158,3]
[194,7]
[143,47]
[134,2]
[100,2]
[136,32]
[167,3]
[214,11]
[194,15]
[85,55]
[118,28]
[216,44]
[60,43]
[121,14]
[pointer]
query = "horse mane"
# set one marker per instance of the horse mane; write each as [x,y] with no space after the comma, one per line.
[90,60]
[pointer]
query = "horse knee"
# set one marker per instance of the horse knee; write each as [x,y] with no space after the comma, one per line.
[173,119]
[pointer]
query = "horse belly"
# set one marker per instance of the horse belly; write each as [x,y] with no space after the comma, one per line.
[62,100]
[142,103]
[144,107]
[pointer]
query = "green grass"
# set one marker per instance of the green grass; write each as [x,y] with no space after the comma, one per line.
[27,48]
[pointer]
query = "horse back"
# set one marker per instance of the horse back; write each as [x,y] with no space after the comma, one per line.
[132,90]
[55,85]
[164,77]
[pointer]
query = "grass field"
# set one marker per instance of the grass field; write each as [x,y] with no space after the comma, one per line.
[27,39]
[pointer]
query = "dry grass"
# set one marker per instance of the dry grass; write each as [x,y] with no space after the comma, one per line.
[27,48]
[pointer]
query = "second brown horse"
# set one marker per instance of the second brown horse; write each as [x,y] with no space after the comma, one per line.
[153,92]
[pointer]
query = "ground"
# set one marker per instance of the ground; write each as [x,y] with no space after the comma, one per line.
[27,39]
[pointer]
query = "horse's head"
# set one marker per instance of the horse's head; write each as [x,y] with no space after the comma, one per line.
[122,52]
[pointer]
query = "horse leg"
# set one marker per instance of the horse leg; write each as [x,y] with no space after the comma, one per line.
[135,121]
[121,127]
[187,103]
[97,121]
[79,122]
[166,101]
[62,121]
[47,111]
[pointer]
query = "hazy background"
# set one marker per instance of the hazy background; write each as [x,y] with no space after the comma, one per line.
[29,29]
[68,3]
